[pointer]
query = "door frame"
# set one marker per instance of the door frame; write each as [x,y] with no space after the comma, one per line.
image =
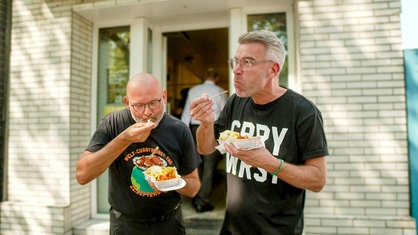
[234,19]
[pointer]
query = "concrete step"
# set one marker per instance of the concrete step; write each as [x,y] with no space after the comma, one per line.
[92,227]
[203,226]
[193,227]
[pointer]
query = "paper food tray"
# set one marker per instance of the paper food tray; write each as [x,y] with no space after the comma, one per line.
[243,144]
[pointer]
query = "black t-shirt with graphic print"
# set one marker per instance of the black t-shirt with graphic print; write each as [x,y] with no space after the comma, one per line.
[129,192]
[292,128]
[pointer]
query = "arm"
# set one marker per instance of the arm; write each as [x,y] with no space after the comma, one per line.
[92,164]
[201,110]
[311,175]
[192,184]
[205,139]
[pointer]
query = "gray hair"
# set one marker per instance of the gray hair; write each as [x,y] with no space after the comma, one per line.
[274,47]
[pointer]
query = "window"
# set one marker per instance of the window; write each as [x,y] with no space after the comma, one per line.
[113,69]
[113,74]
[275,22]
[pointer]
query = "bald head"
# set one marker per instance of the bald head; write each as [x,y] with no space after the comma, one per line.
[143,83]
[145,98]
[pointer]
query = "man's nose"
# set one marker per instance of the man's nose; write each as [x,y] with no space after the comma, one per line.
[147,110]
[237,69]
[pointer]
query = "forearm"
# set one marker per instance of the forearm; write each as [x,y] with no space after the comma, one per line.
[205,139]
[311,176]
[91,165]
[192,184]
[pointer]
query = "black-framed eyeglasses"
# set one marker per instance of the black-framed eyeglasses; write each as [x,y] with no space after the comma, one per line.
[140,107]
[245,63]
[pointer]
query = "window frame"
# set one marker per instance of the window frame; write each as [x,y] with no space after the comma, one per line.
[291,45]
[236,26]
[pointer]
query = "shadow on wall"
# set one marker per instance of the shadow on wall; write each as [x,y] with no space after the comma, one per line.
[355,77]
[49,117]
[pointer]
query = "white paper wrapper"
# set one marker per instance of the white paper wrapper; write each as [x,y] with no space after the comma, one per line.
[243,144]
[163,183]
[167,183]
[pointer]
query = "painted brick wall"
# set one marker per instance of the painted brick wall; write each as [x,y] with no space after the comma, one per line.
[39,102]
[351,66]
[48,119]
[80,111]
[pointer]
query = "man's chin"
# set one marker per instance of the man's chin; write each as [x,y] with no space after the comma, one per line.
[242,94]
[148,120]
[156,121]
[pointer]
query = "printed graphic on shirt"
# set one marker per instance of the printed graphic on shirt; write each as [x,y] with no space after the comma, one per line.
[242,170]
[142,159]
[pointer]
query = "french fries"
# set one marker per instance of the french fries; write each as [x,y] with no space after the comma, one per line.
[243,142]
[162,173]
[231,135]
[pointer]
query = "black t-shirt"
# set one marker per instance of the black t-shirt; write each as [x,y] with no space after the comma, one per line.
[292,128]
[129,192]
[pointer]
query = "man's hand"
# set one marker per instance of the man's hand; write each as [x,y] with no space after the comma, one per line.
[92,164]
[310,175]
[201,109]
[151,183]
[259,157]
[138,132]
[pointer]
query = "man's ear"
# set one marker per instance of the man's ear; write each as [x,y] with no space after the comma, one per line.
[126,101]
[165,97]
[275,69]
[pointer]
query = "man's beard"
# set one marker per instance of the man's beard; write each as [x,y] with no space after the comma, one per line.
[155,120]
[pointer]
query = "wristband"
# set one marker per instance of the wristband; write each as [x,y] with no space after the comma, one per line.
[280,167]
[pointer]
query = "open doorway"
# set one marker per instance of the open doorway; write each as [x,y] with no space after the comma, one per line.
[189,55]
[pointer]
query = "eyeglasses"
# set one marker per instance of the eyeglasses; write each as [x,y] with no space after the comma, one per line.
[245,63]
[140,108]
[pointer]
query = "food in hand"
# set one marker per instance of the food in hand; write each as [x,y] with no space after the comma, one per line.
[231,135]
[243,142]
[162,173]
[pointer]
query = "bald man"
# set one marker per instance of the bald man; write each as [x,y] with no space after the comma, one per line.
[121,143]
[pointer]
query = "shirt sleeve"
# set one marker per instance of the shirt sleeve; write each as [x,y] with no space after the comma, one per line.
[312,139]
[100,137]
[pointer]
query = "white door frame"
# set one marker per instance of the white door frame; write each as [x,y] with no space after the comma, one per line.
[235,21]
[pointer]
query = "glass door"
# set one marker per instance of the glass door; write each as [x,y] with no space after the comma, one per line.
[121,51]
[113,74]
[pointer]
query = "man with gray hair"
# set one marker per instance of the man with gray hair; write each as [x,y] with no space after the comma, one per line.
[266,186]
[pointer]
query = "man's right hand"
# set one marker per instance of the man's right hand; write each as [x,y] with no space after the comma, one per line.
[138,132]
[92,164]
[201,109]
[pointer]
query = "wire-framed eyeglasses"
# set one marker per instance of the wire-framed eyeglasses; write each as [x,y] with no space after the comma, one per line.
[140,107]
[245,63]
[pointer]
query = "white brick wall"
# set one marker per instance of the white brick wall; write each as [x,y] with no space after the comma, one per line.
[39,105]
[80,93]
[50,82]
[351,66]
[30,218]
